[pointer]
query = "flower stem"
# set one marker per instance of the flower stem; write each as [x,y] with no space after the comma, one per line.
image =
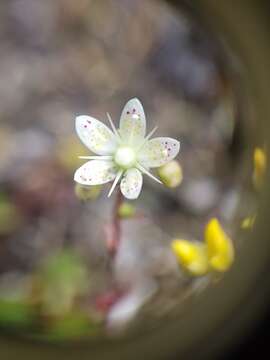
[115,236]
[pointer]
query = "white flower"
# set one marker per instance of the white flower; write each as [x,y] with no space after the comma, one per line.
[122,154]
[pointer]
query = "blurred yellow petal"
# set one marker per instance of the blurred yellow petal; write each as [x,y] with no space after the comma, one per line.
[248,222]
[219,246]
[260,163]
[191,256]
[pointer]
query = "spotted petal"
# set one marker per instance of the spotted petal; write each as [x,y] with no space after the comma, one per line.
[95,172]
[95,135]
[158,152]
[131,184]
[132,122]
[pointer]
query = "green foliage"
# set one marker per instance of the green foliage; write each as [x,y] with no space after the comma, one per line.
[15,313]
[72,326]
[50,308]
[62,278]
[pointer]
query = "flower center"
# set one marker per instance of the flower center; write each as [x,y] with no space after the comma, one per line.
[125,157]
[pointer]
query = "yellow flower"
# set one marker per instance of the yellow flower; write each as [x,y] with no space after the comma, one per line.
[220,249]
[192,256]
[260,163]
[215,254]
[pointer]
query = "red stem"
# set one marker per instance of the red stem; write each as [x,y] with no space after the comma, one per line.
[116,225]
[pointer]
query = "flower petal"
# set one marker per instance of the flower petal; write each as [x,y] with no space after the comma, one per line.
[131,184]
[132,122]
[95,135]
[95,172]
[158,151]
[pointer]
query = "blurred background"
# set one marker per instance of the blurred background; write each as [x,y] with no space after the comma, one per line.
[65,58]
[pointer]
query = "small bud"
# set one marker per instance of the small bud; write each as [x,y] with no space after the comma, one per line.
[126,210]
[171,174]
[86,193]
[191,256]
[66,153]
[220,248]
[260,163]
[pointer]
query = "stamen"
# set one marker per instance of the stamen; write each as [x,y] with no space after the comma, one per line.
[146,172]
[151,133]
[119,174]
[148,137]
[112,125]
